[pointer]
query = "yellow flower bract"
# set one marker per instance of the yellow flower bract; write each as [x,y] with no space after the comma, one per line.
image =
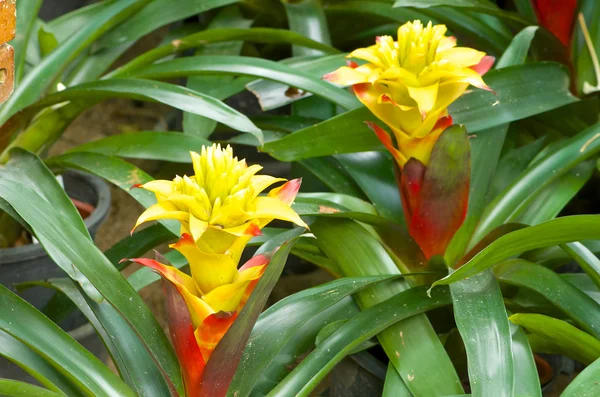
[409,83]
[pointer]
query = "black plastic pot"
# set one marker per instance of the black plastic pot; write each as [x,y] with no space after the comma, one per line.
[32,263]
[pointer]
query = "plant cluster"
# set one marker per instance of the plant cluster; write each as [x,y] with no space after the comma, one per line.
[448,148]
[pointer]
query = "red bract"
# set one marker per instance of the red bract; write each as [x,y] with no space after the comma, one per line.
[558,16]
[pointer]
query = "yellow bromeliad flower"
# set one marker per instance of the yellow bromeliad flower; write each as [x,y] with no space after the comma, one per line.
[409,83]
[220,206]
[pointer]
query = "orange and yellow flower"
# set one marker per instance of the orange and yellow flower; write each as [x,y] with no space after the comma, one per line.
[409,83]
[220,210]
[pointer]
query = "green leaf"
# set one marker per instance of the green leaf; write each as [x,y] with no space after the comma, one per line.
[229,17]
[516,53]
[27,168]
[247,66]
[15,388]
[36,366]
[46,41]
[549,202]
[570,300]
[558,231]
[412,345]
[374,173]
[279,323]
[169,94]
[483,325]
[370,322]
[26,16]
[301,343]
[547,169]
[586,260]
[586,383]
[224,361]
[68,247]
[476,4]
[135,365]
[558,337]
[44,73]
[121,173]
[272,95]
[157,13]
[522,91]
[80,366]
[394,386]
[329,171]
[167,146]
[527,381]
[307,18]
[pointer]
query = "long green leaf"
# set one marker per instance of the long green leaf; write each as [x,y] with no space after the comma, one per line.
[574,151]
[586,383]
[169,94]
[279,323]
[26,16]
[15,388]
[40,77]
[558,231]
[36,331]
[167,146]
[586,260]
[412,345]
[36,366]
[69,247]
[527,381]
[231,19]
[132,360]
[246,66]
[121,173]
[570,300]
[158,13]
[558,337]
[516,53]
[483,324]
[302,380]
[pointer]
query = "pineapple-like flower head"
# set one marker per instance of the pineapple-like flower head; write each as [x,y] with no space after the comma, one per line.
[409,83]
[220,209]
[220,206]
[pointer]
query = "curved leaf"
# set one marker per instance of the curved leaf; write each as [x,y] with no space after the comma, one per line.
[36,366]
[247,66]
[278,324]
[169,94]
[546,170]
[559,336]
[360,328]
[167,146]
[412,345]
[527,381]
[570,300]
[516,53]
[14,388]
[70,248]
[40,334]
[483,325]
[44,73]
[557,231]
[585,383]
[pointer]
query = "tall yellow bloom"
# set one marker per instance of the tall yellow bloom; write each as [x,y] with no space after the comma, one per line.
[409,83]
[220,208]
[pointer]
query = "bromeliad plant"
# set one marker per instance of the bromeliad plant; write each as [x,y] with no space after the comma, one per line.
[445,230]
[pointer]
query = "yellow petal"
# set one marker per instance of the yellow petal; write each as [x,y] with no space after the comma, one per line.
[261,182]
[425,97]
[162,210]
[208,270]
[287,192]
[461,56]
[268,208]
[226,297]
[196,227]
[346,76]
[160,188]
